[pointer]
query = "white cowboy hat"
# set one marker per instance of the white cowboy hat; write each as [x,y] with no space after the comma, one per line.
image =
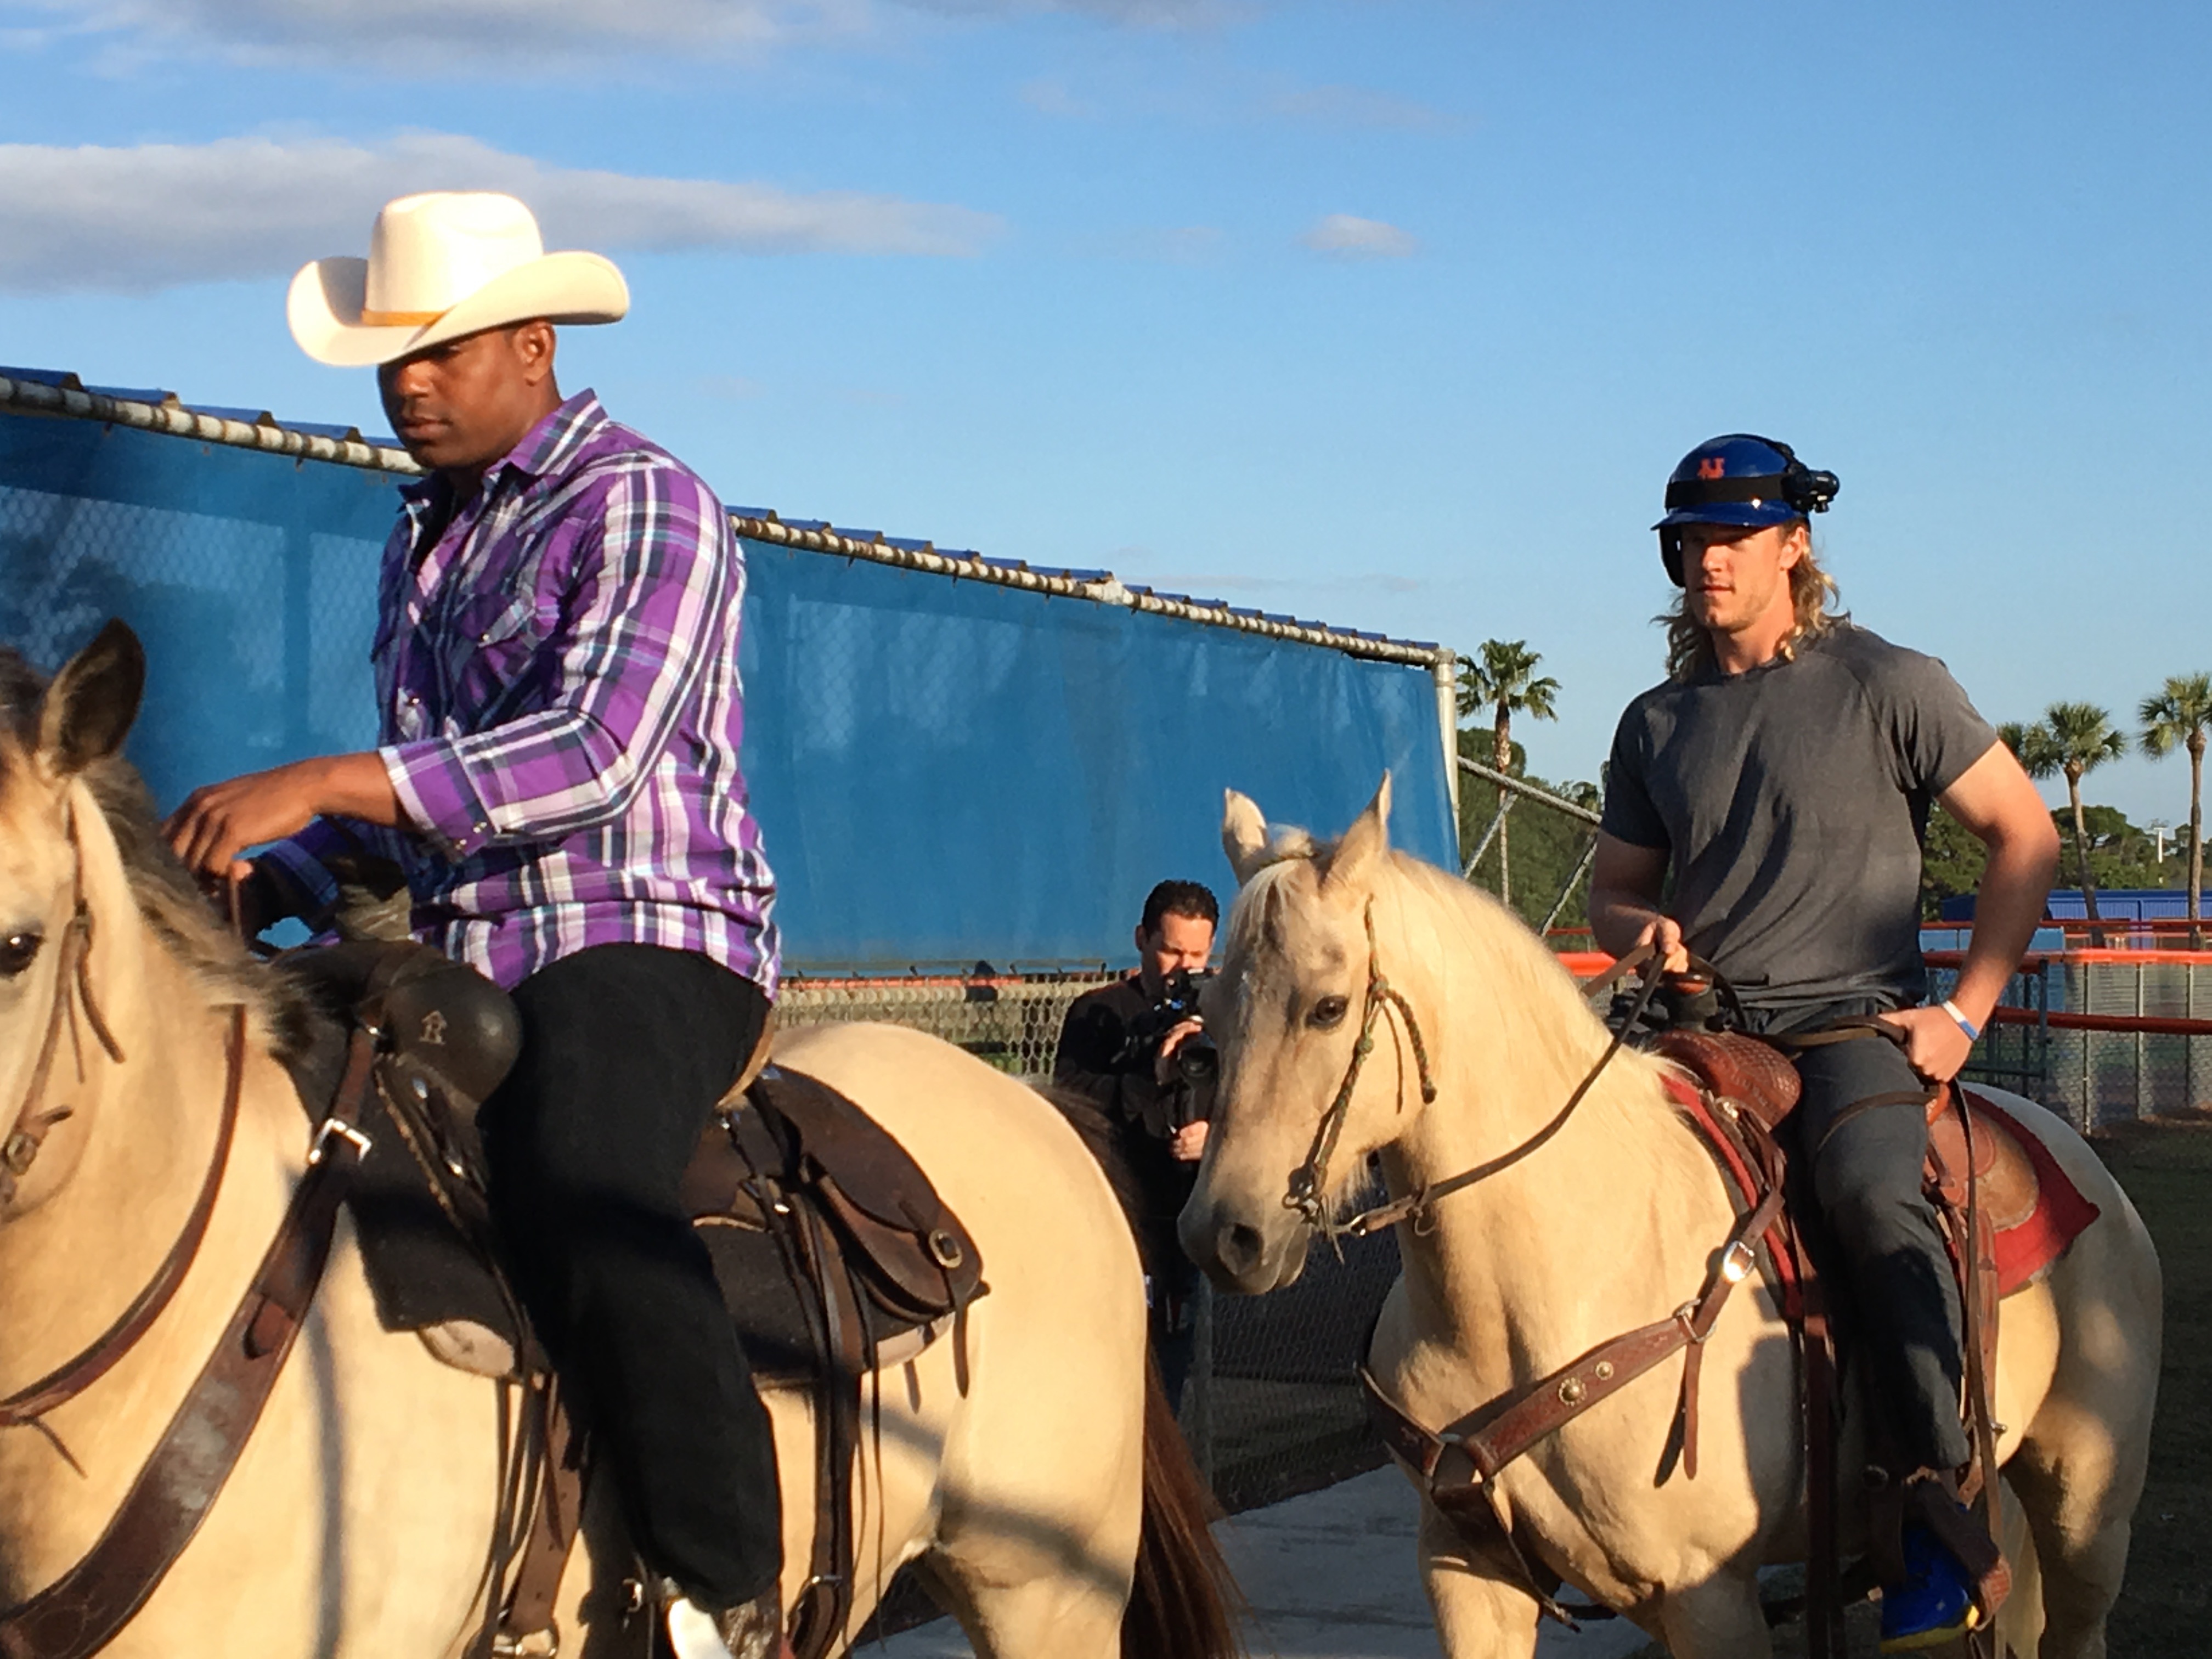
[440,265]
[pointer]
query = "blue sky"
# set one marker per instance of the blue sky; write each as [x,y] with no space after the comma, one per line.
[1389,312]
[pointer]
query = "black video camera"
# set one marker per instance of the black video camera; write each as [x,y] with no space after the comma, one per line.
[1197,1061]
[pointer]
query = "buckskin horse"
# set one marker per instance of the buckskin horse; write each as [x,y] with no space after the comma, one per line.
[153,1142]
[1355,981]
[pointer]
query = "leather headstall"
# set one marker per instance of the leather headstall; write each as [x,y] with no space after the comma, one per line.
[1308,1188]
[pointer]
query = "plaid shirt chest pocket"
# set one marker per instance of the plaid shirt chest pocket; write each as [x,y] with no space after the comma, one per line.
[490,658]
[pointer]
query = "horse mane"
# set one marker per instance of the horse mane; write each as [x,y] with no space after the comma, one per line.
[169,900]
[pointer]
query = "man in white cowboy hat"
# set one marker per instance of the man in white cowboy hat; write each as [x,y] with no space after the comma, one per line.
[556,667]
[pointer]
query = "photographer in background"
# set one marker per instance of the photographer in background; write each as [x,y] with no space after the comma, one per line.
[1138,1049]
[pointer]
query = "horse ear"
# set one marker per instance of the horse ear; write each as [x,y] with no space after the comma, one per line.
[87,710]
[1352,861]
[1244,835]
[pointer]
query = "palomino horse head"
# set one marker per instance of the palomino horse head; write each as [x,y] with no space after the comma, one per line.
[62,887]
[1291,1008]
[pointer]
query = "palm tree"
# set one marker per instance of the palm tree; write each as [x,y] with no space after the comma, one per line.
[1506,681]
[2070,741]
[2177,716]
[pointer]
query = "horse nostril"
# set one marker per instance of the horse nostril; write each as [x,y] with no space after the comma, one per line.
[1241,1248]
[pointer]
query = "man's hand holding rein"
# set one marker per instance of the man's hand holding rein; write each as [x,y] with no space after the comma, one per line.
[218,821]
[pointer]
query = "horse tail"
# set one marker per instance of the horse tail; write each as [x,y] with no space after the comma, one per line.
[1183,1602]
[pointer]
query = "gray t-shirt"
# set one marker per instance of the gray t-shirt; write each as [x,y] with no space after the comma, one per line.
[1791,802]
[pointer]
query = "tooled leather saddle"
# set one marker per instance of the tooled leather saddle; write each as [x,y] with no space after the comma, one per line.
[834,1253]
[2029,1208]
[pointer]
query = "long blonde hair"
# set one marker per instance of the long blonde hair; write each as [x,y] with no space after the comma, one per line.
[1813,592]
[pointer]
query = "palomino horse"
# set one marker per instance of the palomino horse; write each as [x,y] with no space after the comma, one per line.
[1607,1227]
[1015,1473]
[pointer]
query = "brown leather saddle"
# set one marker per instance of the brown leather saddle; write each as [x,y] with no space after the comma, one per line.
[2026,1207]
[834,1253]
[2007,1211]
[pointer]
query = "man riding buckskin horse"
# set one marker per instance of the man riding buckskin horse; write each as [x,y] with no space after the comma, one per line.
[557,668]
[1782,775]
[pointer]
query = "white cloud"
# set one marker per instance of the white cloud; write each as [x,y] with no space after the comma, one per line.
[154,215]
[427,37]
[431,37]
[1347,236]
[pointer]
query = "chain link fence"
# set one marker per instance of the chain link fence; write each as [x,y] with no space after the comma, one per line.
[1011,1021]
[191,581]
[2101,1037]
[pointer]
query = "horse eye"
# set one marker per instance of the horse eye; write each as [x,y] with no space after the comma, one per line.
[1329,1013]
[18,952]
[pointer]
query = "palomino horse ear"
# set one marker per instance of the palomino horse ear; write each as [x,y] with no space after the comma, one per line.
[88,708]
[1244,835]
[1352,861]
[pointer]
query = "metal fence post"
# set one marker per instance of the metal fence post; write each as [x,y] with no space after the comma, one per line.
[1505,806]
[2197,1070]
[2089,1087]
[2141,1051]
[1445,672]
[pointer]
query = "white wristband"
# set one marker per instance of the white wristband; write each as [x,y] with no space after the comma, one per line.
[1973,1031]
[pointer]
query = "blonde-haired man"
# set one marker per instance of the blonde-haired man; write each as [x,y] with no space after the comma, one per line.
[556,670]
[1783,776]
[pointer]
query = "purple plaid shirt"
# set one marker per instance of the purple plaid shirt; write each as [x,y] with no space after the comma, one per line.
[557,677]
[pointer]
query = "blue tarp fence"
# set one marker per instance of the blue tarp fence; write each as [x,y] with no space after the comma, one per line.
[944,770]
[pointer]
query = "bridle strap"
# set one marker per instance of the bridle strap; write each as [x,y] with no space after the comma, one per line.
[28,1131]
[1309,1186]
[1417,1207]
[64,1383]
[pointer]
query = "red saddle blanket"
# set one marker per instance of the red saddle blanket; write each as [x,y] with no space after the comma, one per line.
[2035,1232]
[2031,1204]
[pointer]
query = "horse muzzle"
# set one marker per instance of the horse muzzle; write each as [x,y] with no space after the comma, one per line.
[1238,1256]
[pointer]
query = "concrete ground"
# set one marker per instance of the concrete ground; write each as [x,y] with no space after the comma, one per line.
[1330,1576]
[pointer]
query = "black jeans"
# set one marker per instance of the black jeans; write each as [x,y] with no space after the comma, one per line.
[1865,1176]
[625,1050]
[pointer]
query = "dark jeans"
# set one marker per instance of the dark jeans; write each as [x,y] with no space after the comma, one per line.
[1865,1176]
[625,1050]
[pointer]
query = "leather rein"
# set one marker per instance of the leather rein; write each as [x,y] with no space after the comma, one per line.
[1308,1185]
